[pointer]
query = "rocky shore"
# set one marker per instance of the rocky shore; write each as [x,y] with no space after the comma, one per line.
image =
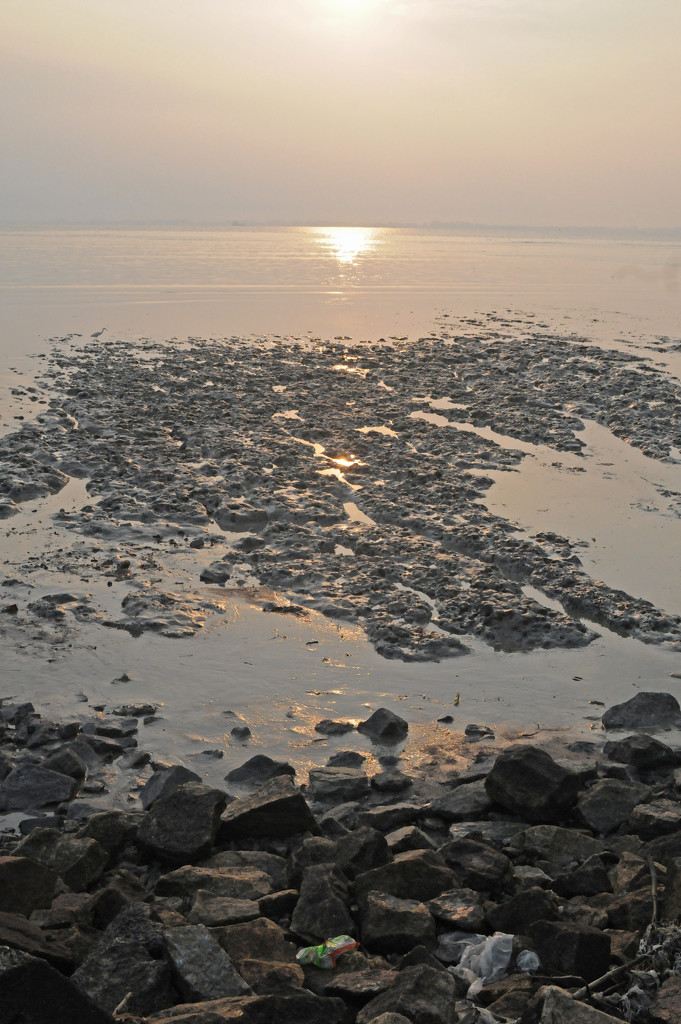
[529,887]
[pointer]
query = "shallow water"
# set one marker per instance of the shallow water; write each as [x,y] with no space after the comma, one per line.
[280,673]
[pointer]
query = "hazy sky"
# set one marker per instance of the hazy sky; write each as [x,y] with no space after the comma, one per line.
[561,112]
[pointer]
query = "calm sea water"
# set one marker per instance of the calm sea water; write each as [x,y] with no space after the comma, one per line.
[363,282]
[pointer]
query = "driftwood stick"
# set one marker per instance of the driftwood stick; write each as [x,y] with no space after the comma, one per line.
[605,978]
[653,885]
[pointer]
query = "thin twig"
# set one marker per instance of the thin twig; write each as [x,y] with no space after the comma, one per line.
[599,982]
[653,883]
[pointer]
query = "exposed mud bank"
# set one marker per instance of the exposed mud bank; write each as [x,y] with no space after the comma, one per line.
[350,477]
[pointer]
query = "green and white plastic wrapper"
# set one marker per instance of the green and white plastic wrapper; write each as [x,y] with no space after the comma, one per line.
[326,954]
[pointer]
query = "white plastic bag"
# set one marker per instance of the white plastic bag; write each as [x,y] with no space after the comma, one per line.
[488,960]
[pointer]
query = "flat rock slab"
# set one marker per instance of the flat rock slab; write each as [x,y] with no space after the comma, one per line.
[240,883]
[18,933]
[201,968]
[298,1008]
[275,810]
[339,784]
[29,785]
[526,781]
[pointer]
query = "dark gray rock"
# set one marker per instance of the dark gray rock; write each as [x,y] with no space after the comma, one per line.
[338,784]
[275,810]
[283,1008]
[392,925]
[417,874]
[33,992]
[658,818]
[609,803]
[459,909]
[465,803]
[164,782]
[391,816]
[644,711]
[346,759]
[421,994]
[571,949]
[24,885]
[589,879]
[274,867]
[391,781]
[517,914]
[113,830]
[361,850]
[259,769]
[18,933]
[408,838]
[120,966]
[182,826]
[214,910]
[526,781]
[384,726]
[67,762]
[643,752]
[79,862]
[555,848]
[477,865]
[240,883]
[30,785]
[327,727]
[322,909]
[312,850]
[201,968]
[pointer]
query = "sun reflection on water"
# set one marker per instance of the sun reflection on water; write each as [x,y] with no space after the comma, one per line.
[346,244]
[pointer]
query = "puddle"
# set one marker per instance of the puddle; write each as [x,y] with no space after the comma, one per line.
[355,514]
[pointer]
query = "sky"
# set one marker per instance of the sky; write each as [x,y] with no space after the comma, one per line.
[532,112]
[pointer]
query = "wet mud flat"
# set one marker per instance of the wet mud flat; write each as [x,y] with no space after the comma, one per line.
[350,479]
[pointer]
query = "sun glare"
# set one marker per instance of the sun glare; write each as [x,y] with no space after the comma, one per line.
[347,244]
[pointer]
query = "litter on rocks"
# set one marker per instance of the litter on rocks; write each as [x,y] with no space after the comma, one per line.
[326,954]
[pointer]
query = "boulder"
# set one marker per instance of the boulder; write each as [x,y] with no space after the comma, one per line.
[322,909]
[113,830]
[558,1007]
[518,914]
[30,785]
[67,762]
[643,752]
[385,727]
[338,784]
[391,781]
[644,711]
[420,993]
[312,850]
[391,816]
[268,863]
[275,810]
[259,769]
[361,850]
[256,940]
[609,804]
[666,1005]
[284,1008]
[459,909]
[526,781]
[240,883]
[34,992]
[164,782]
[570,948]
[201,968]
[25,885]
[408,838]
[477,865]
[417,874]
[212,910]
[658,818]
[182,826]
[18,933]
[555,848]
[120,966]
[79,862]
[465,803]
[392,925]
